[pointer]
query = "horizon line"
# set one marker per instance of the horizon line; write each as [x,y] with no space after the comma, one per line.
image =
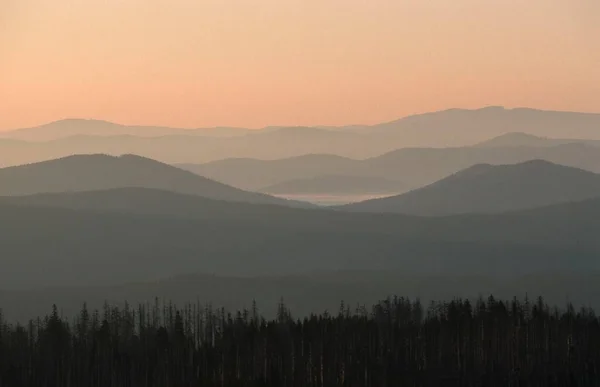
[499,107]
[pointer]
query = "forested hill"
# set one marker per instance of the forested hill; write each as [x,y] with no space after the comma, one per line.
[395,343]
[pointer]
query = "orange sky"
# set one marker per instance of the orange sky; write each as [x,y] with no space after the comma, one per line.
[198,63]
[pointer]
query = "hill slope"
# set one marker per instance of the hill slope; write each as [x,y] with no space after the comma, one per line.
[99,172]
[492,189]
[97,241]
[151,202]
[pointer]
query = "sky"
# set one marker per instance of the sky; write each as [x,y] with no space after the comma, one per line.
[253,63]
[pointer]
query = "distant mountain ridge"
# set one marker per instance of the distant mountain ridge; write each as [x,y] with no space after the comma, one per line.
[100,172]
[449,128]
[497,120]
[92,127]
[485,188]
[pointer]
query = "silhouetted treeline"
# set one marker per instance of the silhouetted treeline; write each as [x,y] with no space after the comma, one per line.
[395,343]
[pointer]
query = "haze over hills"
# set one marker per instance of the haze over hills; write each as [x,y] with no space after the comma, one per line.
[255,174]
[235,193]
[336,184]
[449,128]
[414,167]
[101,172]
[180,148]
[98,241]
[466,125]
[484,188]
[98,222]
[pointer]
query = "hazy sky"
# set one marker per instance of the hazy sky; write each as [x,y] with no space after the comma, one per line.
[195,63]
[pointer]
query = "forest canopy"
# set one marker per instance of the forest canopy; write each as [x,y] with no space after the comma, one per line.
[395,342]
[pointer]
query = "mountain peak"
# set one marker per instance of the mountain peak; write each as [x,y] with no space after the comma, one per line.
[492,108]
[474,170]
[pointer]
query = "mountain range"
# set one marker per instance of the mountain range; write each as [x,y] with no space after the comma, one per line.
[414,167]
[449,128]
[511,206]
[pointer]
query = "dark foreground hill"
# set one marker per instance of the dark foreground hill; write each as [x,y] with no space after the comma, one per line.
[98,241]
[492,189]
[100,172]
